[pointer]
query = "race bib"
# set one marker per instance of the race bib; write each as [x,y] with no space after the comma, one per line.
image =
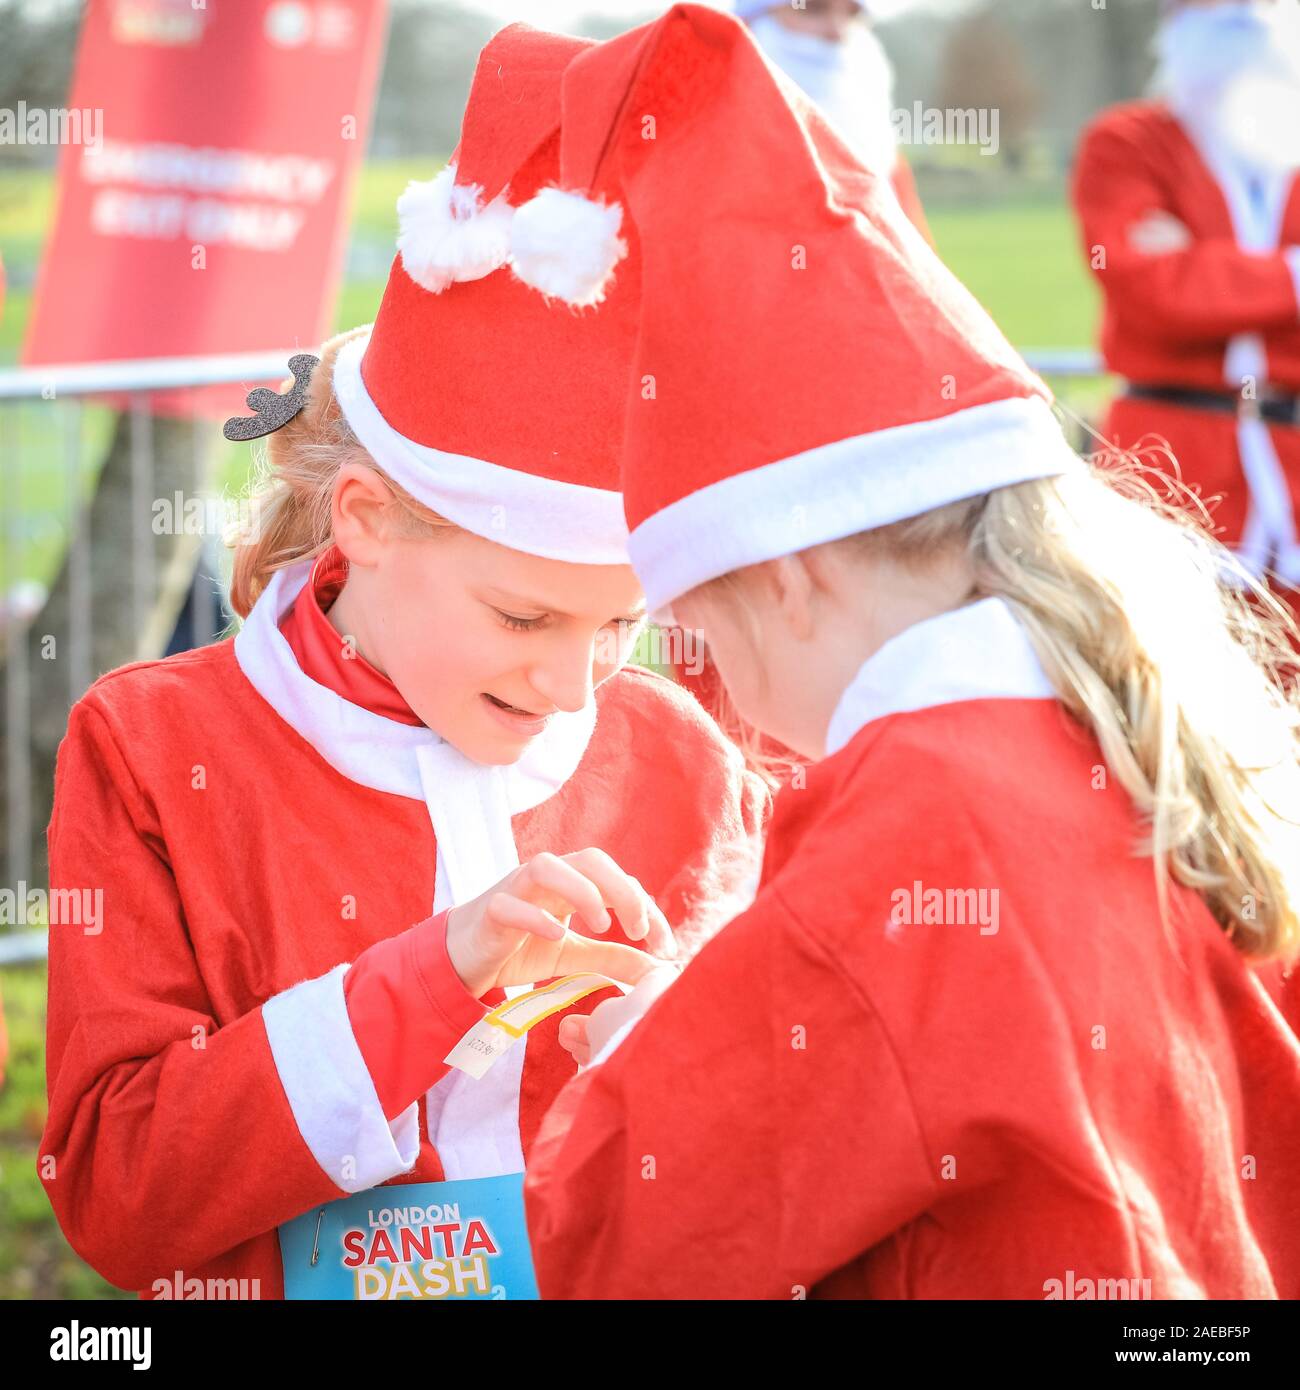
[439,1240]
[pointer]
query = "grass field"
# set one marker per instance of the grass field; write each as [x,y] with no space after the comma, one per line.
[1019,258]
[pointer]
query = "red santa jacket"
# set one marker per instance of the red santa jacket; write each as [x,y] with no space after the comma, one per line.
[950,1051]
[1168,317]
[251,840]
[1219,314]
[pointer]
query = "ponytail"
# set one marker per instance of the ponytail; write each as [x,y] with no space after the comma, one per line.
[1176,659]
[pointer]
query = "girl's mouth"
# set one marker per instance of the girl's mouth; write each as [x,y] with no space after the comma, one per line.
[518,720]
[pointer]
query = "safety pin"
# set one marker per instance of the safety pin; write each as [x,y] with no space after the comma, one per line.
[315,1245]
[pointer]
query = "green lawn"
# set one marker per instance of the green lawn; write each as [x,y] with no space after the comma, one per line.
[1022,263]
[35,1260]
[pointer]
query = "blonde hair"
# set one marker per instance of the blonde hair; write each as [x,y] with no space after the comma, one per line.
[290,495]
[1177,660]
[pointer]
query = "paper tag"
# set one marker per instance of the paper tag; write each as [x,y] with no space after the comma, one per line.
[498,1031]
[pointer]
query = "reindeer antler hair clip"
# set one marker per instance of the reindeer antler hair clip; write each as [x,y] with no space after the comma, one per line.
[273,409]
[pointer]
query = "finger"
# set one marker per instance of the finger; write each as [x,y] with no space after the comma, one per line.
[621,892]
[580,954]
[550,881]
[574,1025]
[507,912]
[573,1038]
[660,938]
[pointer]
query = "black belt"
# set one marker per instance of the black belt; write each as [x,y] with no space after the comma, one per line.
[1278,409]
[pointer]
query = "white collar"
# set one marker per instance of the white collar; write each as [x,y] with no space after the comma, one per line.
[469,803]
[979,652]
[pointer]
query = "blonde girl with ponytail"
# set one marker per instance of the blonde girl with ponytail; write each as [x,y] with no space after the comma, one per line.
[1008,1017]
[1154,638]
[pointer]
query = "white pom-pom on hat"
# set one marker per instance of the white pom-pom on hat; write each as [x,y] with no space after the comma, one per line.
[445,235]
[565,245]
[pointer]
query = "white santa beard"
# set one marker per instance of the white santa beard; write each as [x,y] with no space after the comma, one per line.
[852,82]
[1234,82]
[1259,120]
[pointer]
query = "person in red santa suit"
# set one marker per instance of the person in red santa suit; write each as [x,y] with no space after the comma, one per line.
[333,848]
[1189,207]
[831,50]
[1015,967]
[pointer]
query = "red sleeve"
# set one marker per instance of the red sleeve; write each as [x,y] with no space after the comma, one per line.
[172,1137]
[1207,292]
[408,1009]
[694,1162]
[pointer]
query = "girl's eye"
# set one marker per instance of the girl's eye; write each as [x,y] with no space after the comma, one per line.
[519,624]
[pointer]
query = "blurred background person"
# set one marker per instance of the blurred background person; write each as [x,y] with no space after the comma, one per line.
[831,50]
[1189,207]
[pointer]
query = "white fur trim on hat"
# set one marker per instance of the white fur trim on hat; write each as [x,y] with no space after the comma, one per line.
[523,511]
[842,488]
[445,234]
[566,245]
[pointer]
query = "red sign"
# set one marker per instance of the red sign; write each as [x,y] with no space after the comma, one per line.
[202,207]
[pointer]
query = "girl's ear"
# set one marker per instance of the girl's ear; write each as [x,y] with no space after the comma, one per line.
[315,422]
[789,585]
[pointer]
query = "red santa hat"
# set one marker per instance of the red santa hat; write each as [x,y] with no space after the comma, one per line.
[498,409]
[806,367]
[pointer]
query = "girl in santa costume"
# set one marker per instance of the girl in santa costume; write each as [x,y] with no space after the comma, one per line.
[342,847]
[1006,1018]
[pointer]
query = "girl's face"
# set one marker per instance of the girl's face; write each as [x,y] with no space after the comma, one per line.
[789,635]
[484,643]
[782,681]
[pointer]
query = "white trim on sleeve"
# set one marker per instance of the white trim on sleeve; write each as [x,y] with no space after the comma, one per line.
[330,1091]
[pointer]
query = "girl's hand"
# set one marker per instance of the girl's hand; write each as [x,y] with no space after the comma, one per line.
[585,1034]
[518,931]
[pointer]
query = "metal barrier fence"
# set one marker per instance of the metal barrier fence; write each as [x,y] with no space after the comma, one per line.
[46,517]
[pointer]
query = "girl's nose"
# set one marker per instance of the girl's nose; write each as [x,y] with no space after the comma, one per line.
[565,679]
